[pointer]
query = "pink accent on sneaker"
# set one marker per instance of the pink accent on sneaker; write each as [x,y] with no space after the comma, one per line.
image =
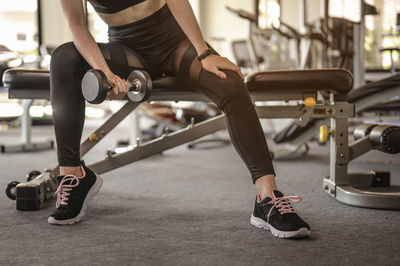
[64,187]
[282,204]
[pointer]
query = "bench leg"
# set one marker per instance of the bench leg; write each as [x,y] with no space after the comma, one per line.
[26,144]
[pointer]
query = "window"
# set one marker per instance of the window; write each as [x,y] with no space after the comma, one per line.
[268,14]
[19,25]
[382,32]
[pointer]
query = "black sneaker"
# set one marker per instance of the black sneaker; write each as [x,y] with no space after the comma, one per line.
[73,195]
[278,216]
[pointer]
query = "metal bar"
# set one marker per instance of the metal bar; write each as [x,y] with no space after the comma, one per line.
[339,151]
[135,133]
[109,125]
[359,147]
[339,110]
[359,51]
[26,122]
[39,25]
[280,111]
[27,147]
[369,199]
[161,144]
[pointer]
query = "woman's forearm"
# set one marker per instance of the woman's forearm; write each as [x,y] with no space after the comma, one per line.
[88,48]
[83,40]
[183,13]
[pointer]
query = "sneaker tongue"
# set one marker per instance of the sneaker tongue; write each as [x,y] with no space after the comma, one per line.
[265,200]
[277,194]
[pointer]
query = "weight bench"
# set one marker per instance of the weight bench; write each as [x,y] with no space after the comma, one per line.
[26,144]
[263,86]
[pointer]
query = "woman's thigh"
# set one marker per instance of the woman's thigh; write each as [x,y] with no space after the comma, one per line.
[184,64]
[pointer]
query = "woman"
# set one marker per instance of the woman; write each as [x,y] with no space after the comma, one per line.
[165,36]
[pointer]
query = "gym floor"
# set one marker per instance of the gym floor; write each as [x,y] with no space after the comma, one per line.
[192,207]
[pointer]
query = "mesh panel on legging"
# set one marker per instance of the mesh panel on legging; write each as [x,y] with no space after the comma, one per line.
[67,70]
[232,97]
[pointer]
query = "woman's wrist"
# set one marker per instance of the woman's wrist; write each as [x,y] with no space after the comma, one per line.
[200,48]
[206,53]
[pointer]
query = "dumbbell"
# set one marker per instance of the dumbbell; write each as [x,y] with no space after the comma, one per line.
[95,86]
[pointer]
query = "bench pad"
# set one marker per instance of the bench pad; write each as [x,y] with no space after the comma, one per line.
[35,84]
[338,81]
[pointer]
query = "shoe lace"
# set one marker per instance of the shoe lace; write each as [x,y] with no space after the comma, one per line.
[282,204]
[66,185]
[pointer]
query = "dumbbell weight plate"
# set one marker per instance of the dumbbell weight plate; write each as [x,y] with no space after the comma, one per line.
[11,190]
[142,92]
[95,86]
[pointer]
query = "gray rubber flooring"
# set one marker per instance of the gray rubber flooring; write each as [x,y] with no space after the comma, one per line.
[192,207]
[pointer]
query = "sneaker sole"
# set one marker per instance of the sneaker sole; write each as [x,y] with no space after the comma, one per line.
[259,223]
[92,192]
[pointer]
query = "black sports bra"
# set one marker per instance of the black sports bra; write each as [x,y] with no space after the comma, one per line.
[112,6]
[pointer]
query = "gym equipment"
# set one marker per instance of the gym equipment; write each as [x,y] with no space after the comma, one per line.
[364,98]
[95,86]
[11,189]
[385,138]
[247,52]
[263,86]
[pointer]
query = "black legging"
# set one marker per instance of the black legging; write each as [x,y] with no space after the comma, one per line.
[158,45]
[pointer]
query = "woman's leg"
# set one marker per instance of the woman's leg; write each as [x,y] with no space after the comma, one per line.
[76,182]
[232,97]
[67,70]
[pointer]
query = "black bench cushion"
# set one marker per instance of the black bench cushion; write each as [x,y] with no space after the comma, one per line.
[22,82]
[337,81]
[35,84]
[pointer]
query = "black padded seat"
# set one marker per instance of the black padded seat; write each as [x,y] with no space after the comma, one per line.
[35,84]
[338,81]
[27,83]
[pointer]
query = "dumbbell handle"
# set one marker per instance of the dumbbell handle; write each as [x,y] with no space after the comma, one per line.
[134,86]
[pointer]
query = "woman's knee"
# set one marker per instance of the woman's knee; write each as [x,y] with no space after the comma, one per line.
[233,90]
[65,58]
[66,70]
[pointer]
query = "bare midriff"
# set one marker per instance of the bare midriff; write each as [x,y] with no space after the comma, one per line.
[133,13]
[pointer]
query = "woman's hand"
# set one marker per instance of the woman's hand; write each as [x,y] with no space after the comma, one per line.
[214,64]
[120,87]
